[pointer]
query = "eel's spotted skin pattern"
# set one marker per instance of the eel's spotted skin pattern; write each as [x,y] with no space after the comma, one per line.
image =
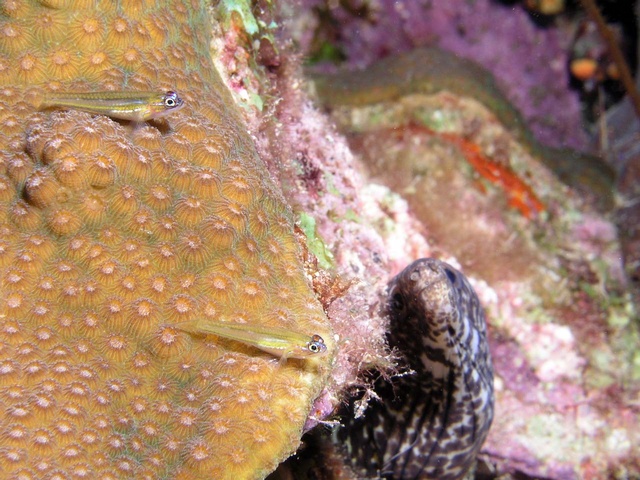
[429,425]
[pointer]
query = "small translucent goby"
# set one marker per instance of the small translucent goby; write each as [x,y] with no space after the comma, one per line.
[133,106]
[276,341]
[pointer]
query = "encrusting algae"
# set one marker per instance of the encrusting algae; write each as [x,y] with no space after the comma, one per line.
[112,235]
[427,71]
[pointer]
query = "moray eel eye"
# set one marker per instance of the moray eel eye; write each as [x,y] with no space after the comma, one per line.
[397,302]
[451,275]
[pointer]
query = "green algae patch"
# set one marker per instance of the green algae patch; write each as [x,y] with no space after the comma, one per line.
[249,44]
[330,185]
[315,244]
[242,9]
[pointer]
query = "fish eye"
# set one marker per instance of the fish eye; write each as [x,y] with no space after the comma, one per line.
[316,345]
[171,100]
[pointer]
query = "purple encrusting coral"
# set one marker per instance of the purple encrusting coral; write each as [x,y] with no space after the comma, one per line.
[528,61]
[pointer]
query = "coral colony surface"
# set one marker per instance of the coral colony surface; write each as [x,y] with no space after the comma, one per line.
[112,235]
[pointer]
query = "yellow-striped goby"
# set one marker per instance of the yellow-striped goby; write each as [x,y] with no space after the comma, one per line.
[132,106]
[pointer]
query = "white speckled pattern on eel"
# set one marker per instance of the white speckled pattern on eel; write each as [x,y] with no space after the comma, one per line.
[431,424]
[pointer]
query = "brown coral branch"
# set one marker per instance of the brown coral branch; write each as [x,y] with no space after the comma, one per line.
[616,53]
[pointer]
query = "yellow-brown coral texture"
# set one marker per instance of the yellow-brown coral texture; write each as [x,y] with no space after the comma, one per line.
[111,235]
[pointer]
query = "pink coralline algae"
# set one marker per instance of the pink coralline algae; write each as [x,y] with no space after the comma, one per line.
[559,317]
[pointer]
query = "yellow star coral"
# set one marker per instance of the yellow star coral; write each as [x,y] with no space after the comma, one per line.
[112,235]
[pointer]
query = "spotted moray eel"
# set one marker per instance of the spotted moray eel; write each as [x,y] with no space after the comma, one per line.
[430,424]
